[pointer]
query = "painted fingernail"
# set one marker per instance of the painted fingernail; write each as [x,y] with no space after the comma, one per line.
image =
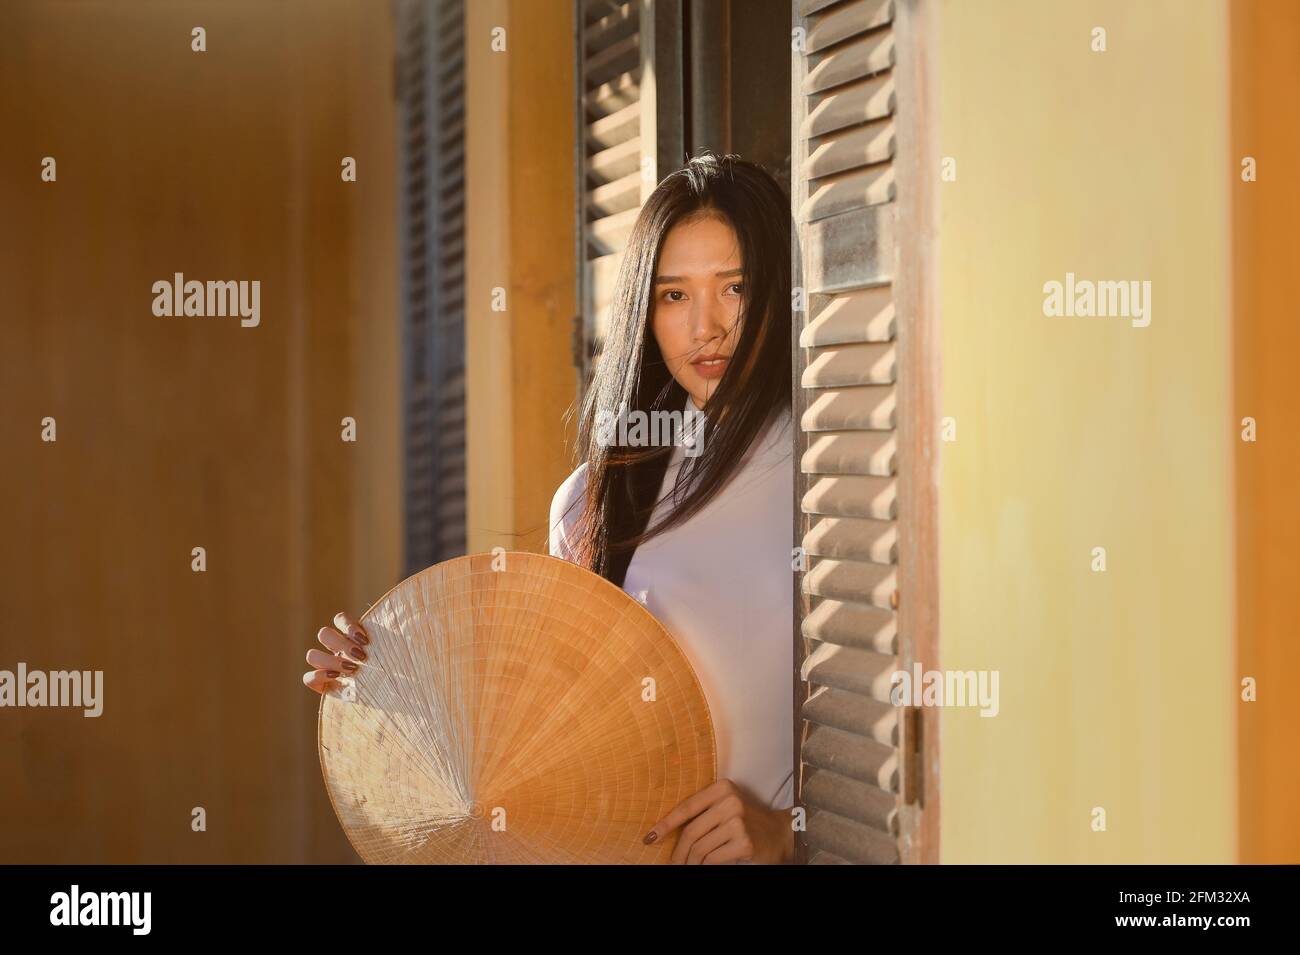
[357,653]
[651,837]
[360,636]
[332,674]
[349,666]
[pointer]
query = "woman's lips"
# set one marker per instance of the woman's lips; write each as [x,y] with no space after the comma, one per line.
[710,367]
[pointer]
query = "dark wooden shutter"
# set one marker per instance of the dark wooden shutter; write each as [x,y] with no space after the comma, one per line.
[630,135]
[430,80]
[857,766]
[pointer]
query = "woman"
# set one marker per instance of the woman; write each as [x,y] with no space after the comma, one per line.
[697,528]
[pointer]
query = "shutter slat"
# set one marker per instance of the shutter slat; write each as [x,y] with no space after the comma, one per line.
[852,581]
[611,28]
[849,105]
[863,146]
[614,95]
[853,713]
[869,408]
[872,54]
[851,452]
[847,668]
[841,366]
[616,161]
[852,624]
[853,495]
[453,274]
[822,857]
[599,277]
[613,61]
[617,127]
[863,803]
[610,234]
[617,196]
[849,20]
[851,755]
[851,840]
[862,316]
[866,187]
[852,538]
[602,274]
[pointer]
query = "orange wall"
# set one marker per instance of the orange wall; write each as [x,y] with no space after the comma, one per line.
[519,236]
[183,432]
[1266,338]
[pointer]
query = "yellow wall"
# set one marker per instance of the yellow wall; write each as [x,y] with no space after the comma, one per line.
[1117,688]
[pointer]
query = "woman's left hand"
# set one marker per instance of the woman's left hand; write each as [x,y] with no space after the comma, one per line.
[721,824]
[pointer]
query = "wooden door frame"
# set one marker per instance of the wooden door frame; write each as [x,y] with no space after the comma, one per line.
[916,300]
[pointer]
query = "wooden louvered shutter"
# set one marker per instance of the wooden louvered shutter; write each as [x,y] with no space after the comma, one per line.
[630,136]
[860,769]
[430,76]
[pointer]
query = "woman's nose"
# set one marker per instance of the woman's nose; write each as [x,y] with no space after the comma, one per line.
[708,321]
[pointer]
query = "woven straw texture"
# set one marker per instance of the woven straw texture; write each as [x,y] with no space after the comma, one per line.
[501,718]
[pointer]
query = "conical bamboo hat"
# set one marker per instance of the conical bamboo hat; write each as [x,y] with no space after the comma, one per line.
[508,716]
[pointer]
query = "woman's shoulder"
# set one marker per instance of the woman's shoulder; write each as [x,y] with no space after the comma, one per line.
[776,438]
[570,491]
[779,426]
[566,505]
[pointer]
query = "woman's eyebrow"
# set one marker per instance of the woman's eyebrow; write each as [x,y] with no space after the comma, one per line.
[679,278]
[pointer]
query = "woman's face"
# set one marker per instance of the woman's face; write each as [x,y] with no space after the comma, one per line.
[695,306]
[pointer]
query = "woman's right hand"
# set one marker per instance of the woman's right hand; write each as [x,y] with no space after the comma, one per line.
[346,642]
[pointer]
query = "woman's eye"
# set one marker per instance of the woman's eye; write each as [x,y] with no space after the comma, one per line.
[668,296]
[736,288]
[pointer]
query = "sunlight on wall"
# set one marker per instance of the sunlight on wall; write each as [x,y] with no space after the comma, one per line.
[1073,433]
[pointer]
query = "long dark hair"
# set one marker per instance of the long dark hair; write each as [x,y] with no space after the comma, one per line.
[622,483]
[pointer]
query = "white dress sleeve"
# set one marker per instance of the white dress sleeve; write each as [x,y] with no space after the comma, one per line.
[566,506]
